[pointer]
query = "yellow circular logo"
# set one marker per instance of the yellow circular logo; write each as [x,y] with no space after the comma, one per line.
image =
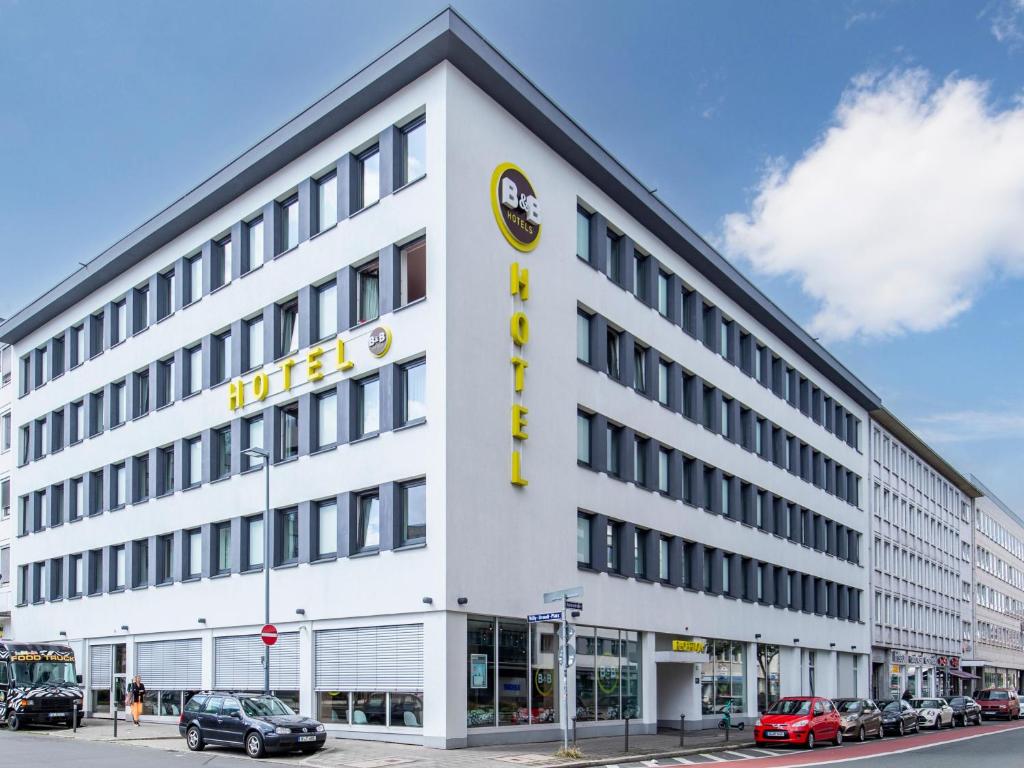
[516,207]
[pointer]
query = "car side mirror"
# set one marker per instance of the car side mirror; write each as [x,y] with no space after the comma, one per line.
[237,715]
[78,679]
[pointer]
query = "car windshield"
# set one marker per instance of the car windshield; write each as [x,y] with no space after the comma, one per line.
[957,700]
[850,707]
[44,673]
[892,706]
[790,707]
[265,706]
[994,695]
[926,703]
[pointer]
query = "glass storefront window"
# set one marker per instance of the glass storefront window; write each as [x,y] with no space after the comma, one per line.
[100,702]
[767,676]
[513,690]
[544,691]
[722,679]
[606,665]
[369,708]
[481,656]
[629,674]
[407,710]
[586,685]
[332,707]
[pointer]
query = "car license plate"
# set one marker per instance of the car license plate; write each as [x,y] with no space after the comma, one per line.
[57,714]
[307,738]
[775,733]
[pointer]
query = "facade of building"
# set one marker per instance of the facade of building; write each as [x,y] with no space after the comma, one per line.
[6,462]
[921,519]
[998,653]
[469,340]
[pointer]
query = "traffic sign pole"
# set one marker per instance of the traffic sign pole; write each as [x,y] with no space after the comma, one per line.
[565,658]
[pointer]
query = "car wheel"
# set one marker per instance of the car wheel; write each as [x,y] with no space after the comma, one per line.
[901,730]
[14,723]
[810,740]
[838,740]
[254,746]
[194,739]
[881,731]
[861,735]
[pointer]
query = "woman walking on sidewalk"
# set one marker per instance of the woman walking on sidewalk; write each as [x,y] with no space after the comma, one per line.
[136,693]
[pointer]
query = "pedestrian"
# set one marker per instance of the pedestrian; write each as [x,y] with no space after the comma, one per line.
[134,697]
[907,695]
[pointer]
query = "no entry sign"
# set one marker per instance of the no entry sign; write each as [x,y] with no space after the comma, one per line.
[268,634]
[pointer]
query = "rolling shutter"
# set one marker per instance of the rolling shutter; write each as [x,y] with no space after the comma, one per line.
[170,664]
[370,658]
[101,665]
[237,663]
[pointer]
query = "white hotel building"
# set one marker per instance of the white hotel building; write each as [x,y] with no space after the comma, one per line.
[632,416]
[6,464]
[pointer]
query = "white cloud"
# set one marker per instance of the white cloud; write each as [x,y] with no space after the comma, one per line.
[971,426]
[1008,22]
[908,203]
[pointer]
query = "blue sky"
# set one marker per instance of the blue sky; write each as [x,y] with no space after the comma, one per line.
[857,159]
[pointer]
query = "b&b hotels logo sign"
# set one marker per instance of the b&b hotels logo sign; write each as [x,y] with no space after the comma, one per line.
[516,207]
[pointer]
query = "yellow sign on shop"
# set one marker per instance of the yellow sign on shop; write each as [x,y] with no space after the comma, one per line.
[688,646]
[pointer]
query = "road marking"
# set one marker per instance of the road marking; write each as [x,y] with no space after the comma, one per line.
[740,755]
[765,752]
[683,761]
[714,758]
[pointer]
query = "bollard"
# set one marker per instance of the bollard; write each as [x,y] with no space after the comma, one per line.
[682,728]
[728,727]
[626,750]
[74,719]
[574,731]
[115,722]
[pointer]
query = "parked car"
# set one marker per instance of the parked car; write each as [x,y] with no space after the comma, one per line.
[898,717]
[256,723]
[965,710]
[999,702]
[803,720]
[859,718]
[933,713]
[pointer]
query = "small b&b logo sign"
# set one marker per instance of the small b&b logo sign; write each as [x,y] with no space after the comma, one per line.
[516,207]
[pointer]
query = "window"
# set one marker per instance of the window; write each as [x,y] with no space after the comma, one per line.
[5,498]
[165,559]
[639,368]
[221,362]
[221,453]
[140,478]
[326,202]
[326,311]
[141,394]
[368,406]
[165,382]
[254,527]
[613,353]
[194,361]
[119,327]
[583,425]
[5,366]
[288,535]
[326,419]
[367,522]
[613,435]
[25,445]
[165,294]
[288,333]
[368,292]
[118,489]
[194,551]
[414,392]
[254,343]
[222,552]
[56,579]
[640,460]
[326,528]
[119,568]
[583,526]
[582,234]
[254,233]
[119,406]
[194,469]
[95,571]
[253,439]
[639,553]
[582,336]
[613,250]
[612,546]
[663,465]
[639,271]
[5,432]
[75,582]
[413,258]
[663,376]
[289,223]
[414,150]
[165,470]
[288,446]
[663,557]
[194,283]
[56,431]
[368,168]
[724,347]
[140,563]
[57,360]
[663,288]
[726,421]
[414,512]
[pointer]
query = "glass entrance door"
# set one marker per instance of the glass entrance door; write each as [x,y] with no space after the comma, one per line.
[120,675]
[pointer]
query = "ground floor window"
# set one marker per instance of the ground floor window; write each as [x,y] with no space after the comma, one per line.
[380,708]
[767,676]
[607,674]
[165,703]
[723,679]
[512,672]
[100,701]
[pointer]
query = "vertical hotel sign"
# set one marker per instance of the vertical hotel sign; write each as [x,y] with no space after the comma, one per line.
[517,212]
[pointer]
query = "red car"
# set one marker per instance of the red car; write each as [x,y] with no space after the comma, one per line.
[803,720]
[999,702]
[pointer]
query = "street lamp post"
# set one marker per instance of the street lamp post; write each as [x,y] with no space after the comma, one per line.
[265,456]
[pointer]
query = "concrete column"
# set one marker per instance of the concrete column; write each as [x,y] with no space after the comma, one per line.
[750,656]
[307,696]
[790,671]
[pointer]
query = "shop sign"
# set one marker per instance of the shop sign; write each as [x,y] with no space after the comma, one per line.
[544,682]
[895,669]
[898,657]
[689,646]
[954,662]
[516,207]
[477,670]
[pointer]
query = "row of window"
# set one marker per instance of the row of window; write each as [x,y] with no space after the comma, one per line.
[348,411]
[316,313]
[900,468]
[358,523]
[907,614]
[612,546]
[916,571]
[894,514]
[995,634]
[620,452]
[630,362]
[999,568]
[994,600]
[617,256]
[999,533]
[315,206]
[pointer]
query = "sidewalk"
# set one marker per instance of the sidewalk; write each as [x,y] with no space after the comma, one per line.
[352,753]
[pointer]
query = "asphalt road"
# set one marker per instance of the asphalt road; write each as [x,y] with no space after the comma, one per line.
[27,750]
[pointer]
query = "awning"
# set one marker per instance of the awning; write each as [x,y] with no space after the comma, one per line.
[963,675]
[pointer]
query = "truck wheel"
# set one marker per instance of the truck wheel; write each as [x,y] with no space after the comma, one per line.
[14,723]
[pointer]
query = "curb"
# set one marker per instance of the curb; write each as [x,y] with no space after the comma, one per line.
[631,758]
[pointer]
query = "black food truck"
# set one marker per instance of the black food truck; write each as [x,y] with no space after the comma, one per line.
[38,684]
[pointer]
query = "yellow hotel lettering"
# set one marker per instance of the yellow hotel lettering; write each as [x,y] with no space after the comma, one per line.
[519,330]
[314,364]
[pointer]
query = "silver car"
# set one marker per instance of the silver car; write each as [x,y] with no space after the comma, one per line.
[933,713]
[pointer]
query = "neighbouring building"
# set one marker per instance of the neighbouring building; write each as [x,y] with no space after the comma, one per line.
[6,462]
[998,652]
[487,363]
[921,520]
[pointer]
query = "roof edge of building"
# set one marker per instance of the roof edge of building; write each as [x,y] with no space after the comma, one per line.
[446,36]
[987,493]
